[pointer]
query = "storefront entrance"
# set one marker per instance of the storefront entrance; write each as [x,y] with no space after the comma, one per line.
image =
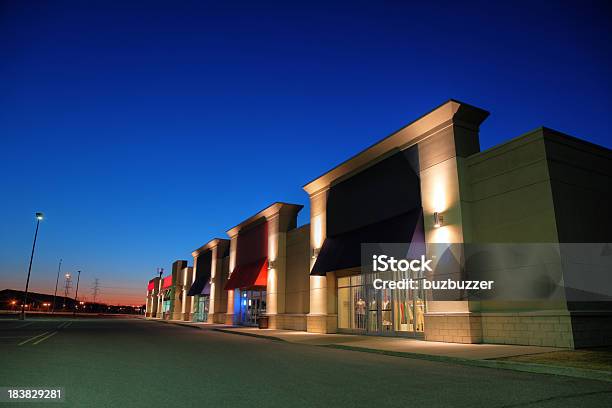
[252,306]
[364,310]
[201,313]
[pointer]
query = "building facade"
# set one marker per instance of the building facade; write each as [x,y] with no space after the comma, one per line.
[269,269]
[211,270]
[428,186]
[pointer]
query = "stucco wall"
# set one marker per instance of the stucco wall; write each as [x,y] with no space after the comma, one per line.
[297,287]
[510,194]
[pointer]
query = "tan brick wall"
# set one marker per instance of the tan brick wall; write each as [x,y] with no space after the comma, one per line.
[322,323]
[228,319]
[553,330]
[288,322]
[453,327]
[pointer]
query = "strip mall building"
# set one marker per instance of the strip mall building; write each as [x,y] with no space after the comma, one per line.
[541,187]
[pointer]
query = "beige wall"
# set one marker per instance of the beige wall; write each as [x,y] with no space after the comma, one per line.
[540,187]
[298,269]
[510,193]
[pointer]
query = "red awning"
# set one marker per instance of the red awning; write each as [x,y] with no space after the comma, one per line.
[254,274]
[151,285]
[167,282]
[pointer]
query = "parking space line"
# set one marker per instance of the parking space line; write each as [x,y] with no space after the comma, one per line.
[31,338]
[44,338]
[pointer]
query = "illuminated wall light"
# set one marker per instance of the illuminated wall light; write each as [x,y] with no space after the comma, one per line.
[315,252]
[438,219]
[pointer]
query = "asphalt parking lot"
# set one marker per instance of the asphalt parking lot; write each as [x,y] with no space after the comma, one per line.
[138,363]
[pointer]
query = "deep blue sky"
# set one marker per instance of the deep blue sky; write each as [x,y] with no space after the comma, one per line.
[144,129]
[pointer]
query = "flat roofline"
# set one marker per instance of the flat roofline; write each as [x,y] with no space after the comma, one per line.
[268,211]
[437,116]
[544,132]
[209,245]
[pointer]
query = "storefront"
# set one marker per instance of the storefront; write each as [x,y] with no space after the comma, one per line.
[249,278]
[200,288]
[355,215]
[152,297]
[211,269]
[167,297]
[428,184]
[267,280]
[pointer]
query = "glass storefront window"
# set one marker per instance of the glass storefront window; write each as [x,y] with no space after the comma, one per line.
[352,306]
[361,308]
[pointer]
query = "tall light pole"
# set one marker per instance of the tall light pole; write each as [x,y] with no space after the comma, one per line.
[39,217]
[59,268]
[76,294]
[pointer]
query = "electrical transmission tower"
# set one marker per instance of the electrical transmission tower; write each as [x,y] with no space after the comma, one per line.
[96,289]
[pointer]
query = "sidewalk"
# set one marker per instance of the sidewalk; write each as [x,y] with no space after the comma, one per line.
[482,355]
[396,344]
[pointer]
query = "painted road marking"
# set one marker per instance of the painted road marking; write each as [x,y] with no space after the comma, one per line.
[31,338]
[24,325]
[44,338]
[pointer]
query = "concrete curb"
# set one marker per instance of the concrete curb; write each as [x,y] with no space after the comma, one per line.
[504,365]
[261,336]
[498,364]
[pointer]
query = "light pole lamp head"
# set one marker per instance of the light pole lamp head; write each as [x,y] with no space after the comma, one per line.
[40,216]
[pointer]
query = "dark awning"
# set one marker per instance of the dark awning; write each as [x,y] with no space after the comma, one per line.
[198,286]
[251,275]
[344,250]
[203,267]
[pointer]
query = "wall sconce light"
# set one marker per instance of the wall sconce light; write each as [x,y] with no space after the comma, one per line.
[315,252]
[438,219]
[271,265]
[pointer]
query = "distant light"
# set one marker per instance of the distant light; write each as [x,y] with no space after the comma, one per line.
[39,216]
[81,303]
[13,302]
[67,275]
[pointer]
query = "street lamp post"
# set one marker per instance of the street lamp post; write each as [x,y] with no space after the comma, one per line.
[76,294]
[39,217]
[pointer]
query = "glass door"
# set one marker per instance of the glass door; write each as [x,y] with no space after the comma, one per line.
[252,306]
[201,314]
